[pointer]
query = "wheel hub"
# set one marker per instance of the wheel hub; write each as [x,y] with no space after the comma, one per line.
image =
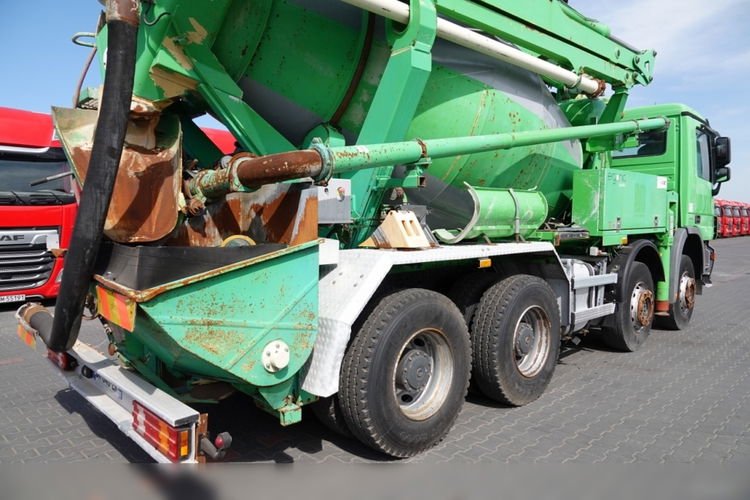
[414,370]
[687,292]
[642,306]
[524,339]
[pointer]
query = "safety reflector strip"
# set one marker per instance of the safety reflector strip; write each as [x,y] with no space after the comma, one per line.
[28,338]
[172,443]
[116,308]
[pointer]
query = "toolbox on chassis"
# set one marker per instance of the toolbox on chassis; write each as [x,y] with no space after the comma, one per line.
[333,263]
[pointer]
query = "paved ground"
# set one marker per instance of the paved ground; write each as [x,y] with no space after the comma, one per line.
[684,397]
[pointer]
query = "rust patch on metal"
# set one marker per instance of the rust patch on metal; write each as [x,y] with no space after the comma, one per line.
[144,202]
[126,11]
[282,213]
[214,340]
[270,169]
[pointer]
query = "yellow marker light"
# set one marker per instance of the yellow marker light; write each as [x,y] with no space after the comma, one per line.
[184,443]
[483,263]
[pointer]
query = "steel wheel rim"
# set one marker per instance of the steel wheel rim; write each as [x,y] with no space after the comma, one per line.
[531,341]
[641,306]
[423,374]
[687,293]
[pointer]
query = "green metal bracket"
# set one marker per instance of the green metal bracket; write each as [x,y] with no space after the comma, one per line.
[414,178]
[283,400]
[612,113]
[183,61]
[393,107]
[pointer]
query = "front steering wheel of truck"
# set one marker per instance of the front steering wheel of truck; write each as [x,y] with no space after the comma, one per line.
[405,375]
[681,310]
[635,311]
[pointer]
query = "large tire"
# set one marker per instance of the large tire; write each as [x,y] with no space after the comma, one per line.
[681,310]
[328,412]
[634,312]
[516,340]
[405,374]
[467,291]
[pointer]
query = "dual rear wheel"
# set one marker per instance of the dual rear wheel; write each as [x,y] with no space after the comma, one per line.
[406,372]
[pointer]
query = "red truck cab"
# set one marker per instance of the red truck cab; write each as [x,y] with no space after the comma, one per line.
[726,221]
[717,219]
[36,221]
[736,219]
[745,218]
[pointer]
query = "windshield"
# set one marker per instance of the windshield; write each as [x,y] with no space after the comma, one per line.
[727,212]
[17,173]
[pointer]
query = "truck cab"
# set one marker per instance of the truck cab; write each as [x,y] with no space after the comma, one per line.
[690,154]
[37,206]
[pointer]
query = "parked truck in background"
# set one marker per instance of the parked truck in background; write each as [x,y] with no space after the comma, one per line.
[37,206]
[413,202]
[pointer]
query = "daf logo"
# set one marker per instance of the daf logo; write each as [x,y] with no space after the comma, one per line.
[11,237]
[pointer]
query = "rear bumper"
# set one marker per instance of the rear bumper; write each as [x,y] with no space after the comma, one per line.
[114,391]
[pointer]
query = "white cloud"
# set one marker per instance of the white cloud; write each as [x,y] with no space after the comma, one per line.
[685,33]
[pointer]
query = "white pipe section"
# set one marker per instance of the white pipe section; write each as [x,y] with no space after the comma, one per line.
[399,12]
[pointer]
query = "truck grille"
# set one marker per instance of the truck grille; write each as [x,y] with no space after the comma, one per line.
[25,266]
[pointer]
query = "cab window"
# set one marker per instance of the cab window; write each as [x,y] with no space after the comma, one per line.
[650,143]
[703,155]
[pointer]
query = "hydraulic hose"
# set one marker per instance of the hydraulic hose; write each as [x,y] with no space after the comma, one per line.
[122,23]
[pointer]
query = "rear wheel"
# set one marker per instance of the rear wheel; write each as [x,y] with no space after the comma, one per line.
[405,374]
[681,311]
[328,412]
[467,291]
[516,339]
[634,312]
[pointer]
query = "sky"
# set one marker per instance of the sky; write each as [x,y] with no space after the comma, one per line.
[703,59]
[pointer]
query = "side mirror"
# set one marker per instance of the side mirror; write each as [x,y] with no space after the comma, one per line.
[722,152]
[722,174]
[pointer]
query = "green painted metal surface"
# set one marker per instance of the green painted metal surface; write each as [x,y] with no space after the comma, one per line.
[614,203]
[218,323]
[500,213]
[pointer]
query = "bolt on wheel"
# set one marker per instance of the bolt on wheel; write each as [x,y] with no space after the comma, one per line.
[531,339]
[423,374]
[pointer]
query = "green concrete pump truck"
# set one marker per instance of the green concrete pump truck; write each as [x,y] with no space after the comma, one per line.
[423,192]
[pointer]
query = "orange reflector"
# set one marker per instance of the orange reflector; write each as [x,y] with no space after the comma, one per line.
[624,240]
[28,338]
[170,442]
[485,263]
[117,308]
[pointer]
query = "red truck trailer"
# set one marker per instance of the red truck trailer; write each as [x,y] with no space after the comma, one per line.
[38,204]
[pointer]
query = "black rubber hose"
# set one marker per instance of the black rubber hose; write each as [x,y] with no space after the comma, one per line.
[97,190]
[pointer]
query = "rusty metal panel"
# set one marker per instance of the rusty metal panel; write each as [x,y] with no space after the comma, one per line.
[278,213]
[145,201]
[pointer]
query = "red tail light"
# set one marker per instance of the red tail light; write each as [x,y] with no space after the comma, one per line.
[172,443]
[63,360]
